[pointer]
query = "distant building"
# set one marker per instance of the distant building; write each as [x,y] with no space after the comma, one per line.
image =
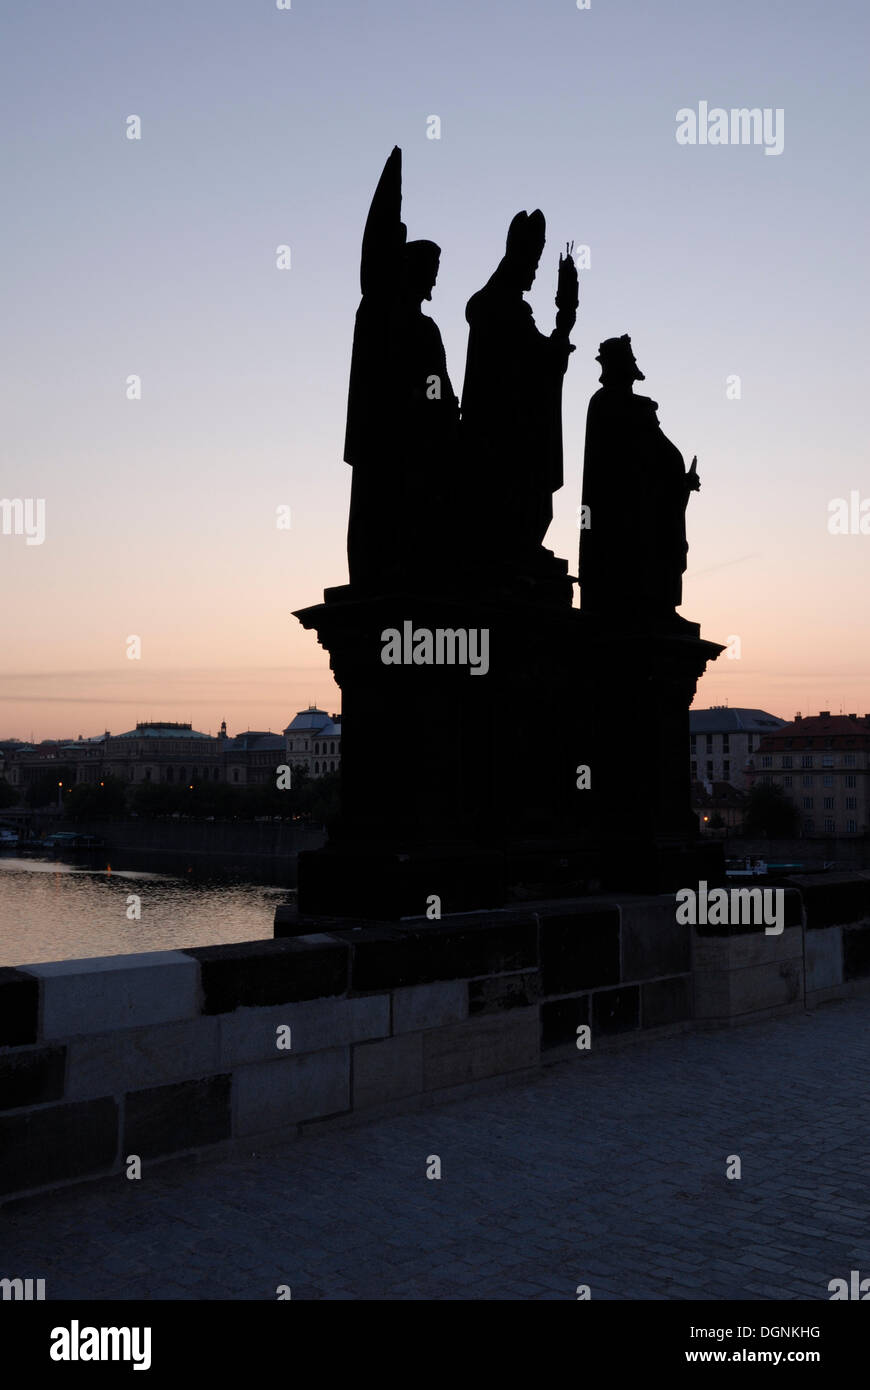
[314,741]
[721,739]
[822,763]
[719,806]
[160,752]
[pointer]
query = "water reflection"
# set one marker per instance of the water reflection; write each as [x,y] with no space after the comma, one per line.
[53,909]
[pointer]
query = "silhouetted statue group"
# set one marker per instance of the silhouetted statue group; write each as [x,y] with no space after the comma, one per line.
[443,495]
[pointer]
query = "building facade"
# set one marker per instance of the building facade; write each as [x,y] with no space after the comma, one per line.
[822,763]
[314,741]
[721,740]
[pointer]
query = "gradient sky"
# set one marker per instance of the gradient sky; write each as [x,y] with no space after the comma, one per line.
[263,127]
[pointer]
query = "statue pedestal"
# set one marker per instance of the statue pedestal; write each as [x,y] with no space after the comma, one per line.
[460,779]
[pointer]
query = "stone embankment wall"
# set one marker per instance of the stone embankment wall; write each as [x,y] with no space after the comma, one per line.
[230,1047]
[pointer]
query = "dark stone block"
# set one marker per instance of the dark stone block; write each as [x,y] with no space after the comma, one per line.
[656,944]
[615,1011]
[57,1143]
[832,900]
[19,1008]
[33,1077]
[580,951]
[503,992]
[856,953]
[666,1001]
[386,958]
[185,1115]
[269,972]
[560,1020]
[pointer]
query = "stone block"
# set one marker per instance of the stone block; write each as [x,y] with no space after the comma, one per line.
[496,945]
[834,899]
[666,1001]
[560,1020]
[727,994]
[654,943]
[93,996]
[824,958]
[137,1058]
[260,973]
[19,1008]
[580,950]
[31,1076]
[486,1046]
[615,1011]
[500,992]
[385,1071]
[429,1006]
[747,949]
[184,1115]
[250,1035]
[856,952]
[57,1143]
[270,1095]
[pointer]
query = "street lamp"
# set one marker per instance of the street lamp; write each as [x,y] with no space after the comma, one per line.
[60,796]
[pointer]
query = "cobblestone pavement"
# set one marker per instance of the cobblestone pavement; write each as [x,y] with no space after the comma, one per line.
[608,1171]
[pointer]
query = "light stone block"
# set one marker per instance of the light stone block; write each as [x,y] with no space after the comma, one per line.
[429,1006]
[134,1059]
[107,992]
[384,1071]
[269,1095]
[486,1046]
[251,1035]
[824,959]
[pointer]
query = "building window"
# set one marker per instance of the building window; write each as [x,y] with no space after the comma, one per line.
[316,765]
[726,743]
[849,760]
[694,771]
[829,803]
[808,803]
[709,767]
[332,746]
[851,803]
[693,741]
[332,767]
[827,780]
[169,774]
[851,826]
[851,780]
[147,774]
[829,827]
[806,781]
[726,769]
[235,774]
[807,760]
[827,760]
[787,781]
[767,761]
[809,827]
[290,744]
[786,762]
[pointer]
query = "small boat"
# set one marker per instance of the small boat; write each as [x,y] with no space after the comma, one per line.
[745,867]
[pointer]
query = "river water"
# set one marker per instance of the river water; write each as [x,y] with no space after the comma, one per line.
[57,910]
